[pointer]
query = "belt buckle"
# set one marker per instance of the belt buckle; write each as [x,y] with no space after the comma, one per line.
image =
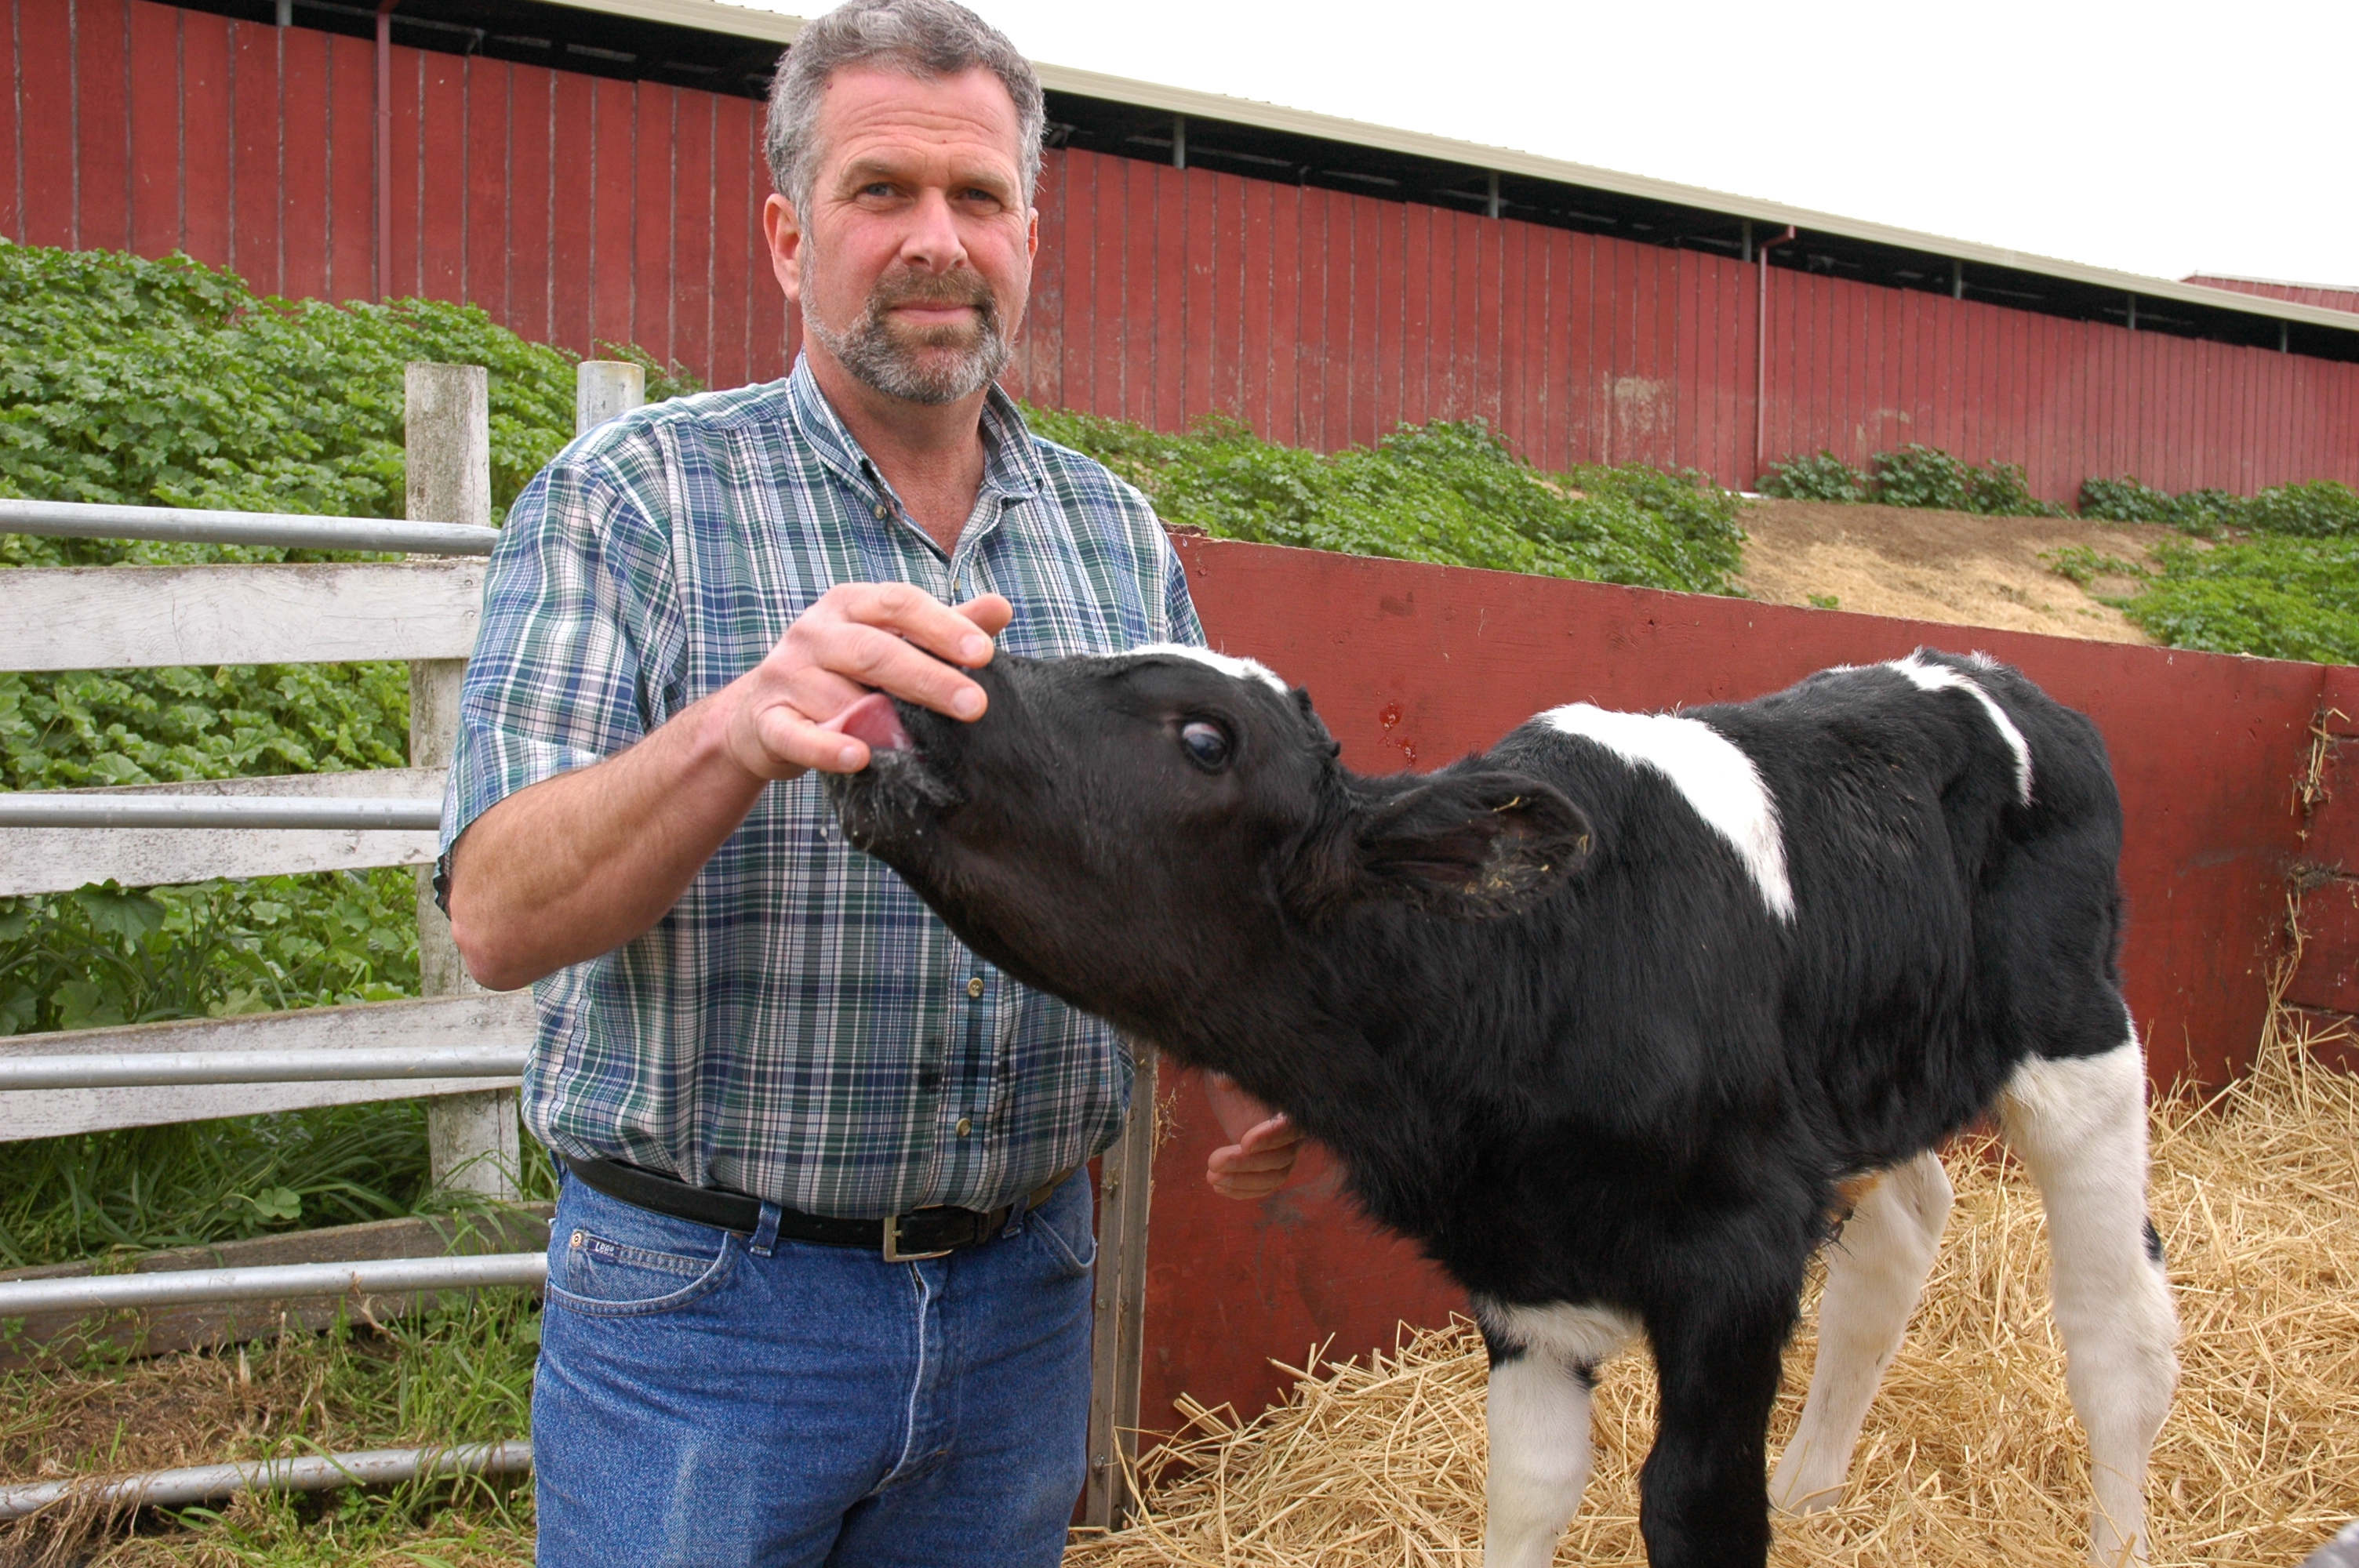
[893,1253]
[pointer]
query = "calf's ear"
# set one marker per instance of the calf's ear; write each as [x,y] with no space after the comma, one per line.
[1473,845]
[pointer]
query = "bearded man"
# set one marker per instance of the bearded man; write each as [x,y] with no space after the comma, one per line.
[819,1279]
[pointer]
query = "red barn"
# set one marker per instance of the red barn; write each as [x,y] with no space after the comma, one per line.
[591,172]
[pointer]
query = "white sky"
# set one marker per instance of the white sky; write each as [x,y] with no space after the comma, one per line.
[2161,138]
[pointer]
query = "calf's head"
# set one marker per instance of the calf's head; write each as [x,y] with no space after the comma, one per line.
[1136,833]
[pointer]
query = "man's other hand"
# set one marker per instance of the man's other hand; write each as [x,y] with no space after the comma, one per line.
[1264,1143]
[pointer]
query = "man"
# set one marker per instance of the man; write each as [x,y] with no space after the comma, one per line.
[819,1276]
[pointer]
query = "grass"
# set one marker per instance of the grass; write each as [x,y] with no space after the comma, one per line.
[458,1375]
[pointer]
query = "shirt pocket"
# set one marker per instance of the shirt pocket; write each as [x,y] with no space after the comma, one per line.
[597,1277]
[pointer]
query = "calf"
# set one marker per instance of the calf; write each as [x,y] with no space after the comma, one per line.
[1608,1018]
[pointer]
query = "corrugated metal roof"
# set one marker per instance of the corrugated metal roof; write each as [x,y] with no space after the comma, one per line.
[710,16]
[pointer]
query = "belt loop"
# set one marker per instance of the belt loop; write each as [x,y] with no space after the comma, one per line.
[1016,1211]
[765,1234]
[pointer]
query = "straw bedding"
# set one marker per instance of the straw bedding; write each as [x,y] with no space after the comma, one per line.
[1969,1455]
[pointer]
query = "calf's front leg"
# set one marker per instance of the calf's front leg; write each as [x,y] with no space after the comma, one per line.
[1544,1362]
[1702,1501]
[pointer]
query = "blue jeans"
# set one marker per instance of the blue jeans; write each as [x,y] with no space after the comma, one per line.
[698,1403]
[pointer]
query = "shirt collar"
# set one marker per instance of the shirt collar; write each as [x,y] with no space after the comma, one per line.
[1011,465]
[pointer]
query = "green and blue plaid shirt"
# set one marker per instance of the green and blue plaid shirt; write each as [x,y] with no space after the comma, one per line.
[800,1026]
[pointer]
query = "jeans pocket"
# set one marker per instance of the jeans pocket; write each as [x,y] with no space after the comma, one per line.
[599,1277]
[1066,1227]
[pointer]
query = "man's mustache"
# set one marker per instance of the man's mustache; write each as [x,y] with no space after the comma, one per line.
[933,288]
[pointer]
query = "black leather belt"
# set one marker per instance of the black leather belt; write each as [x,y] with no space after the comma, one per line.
[921,1233]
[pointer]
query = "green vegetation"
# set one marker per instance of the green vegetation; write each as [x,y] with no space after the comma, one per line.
[459,1375]
[1914,476]
[2083,564]
[2281,579]
[1447,492]
[1822,477]
[2323,509]
[2204,513]
[2283,597]
[163,381]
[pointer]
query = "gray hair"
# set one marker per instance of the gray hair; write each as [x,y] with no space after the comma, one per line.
[925,39]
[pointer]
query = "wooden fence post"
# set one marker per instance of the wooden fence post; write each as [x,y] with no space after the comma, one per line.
[604,388]
[1127,1183]
[473,1140]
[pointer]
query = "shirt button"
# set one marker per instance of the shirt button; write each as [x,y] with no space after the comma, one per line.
[880,512]
[966,1125]
[974,986]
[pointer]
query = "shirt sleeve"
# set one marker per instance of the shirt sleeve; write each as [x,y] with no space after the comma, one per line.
[1179,609]
[557,681]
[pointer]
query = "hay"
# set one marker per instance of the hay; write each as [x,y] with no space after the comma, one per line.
[1969,1455]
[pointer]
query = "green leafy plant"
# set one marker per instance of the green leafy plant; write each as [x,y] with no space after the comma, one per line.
[1824,601]
[1822,477]
[2277,597]
[1924,476]
[2083,564]
[105,955]
[133,381]
[1919,475]
[2000,490]
[2204,513]
[2323,509]
[1450,492]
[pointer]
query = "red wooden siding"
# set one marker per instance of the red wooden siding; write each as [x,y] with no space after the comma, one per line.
[2325,298]
[579,210]
[574,209]
[1437,661]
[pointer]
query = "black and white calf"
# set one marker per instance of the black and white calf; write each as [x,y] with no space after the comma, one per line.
[1609,1018]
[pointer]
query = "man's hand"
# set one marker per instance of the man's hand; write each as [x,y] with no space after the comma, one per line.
[579,864]
[1265,1144]
[784,715]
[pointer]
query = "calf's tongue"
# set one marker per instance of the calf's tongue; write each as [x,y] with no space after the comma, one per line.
[873,720]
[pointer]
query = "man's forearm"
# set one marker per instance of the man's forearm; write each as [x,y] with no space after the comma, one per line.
[578,865]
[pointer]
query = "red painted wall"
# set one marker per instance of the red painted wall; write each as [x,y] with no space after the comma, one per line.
[572,209]
[1424,663]
[576,210]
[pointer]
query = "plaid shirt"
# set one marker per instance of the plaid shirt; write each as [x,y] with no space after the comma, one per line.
[800,1026]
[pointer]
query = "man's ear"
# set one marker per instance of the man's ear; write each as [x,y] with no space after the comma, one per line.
[1472,845]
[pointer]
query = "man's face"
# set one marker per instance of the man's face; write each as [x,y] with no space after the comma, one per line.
[912,267]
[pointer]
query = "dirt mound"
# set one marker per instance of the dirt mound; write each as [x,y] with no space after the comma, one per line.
[1951,566]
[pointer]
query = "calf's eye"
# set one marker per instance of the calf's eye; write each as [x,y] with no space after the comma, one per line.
[1207,743]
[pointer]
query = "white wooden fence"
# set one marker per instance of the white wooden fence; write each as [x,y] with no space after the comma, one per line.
[424,610]
[457,1046]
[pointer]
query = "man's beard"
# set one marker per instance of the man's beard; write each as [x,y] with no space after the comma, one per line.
[930,364]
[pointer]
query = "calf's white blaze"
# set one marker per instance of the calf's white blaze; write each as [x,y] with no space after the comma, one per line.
[1537,1414]
[1227,663]
[1941,677]
[2078,1126]
[1718,779]
[1875,1272]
